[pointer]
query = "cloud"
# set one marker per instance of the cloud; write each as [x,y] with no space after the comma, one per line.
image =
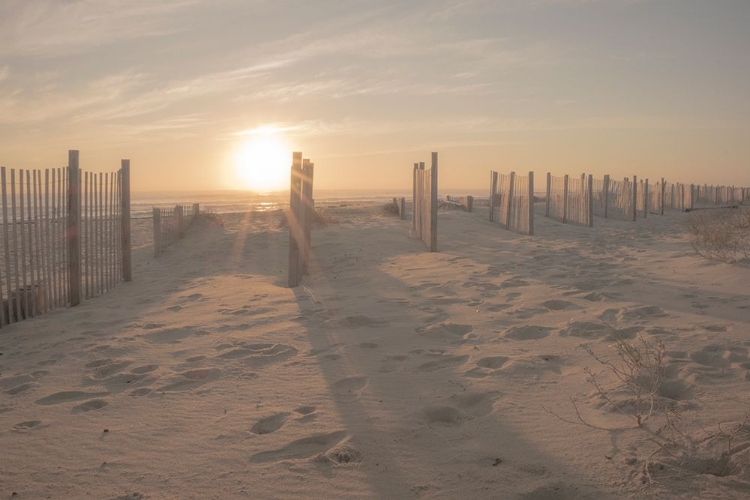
[54,27]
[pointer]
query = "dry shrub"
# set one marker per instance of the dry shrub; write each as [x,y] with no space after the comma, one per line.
[208,217]
[390,209]
[721,234]
[677,448]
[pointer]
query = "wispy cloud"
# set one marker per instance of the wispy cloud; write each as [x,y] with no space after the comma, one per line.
[55,27]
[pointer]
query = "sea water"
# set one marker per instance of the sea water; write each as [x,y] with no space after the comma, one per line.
[223,202]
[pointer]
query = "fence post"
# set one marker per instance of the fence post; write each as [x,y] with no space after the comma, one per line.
[692,196]
[74,228]
[157,232]
[549,193]
[469,204]
[565,199]
[531,202]
[402,208]
[178,212]
[127,266]
[511,193]
[433,202]
[293,219]
[635,198]
[493,194]
[414,198]
[591,200]
[606,195]
[309,210]
[662,196]
[645,199]
[196,209]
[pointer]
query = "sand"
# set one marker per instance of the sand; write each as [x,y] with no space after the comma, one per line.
[391,373]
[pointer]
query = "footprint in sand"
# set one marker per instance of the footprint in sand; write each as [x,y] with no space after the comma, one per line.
[715,364]
[18,384]
[487,366]
[715,356]
[144,369]
[302,448]
[261,354]
[513,283]
[20,389]
[533,367]
[247,311]
[529,312]
[492,362]
[592,330]
[67,396]
[307,412]
[103,368]
[29,425]
[94,404]
[641,313]
[191,379]
[475,404]
[559,305]
[270,424]
[498,307]
[557,491]
[445,361]
[445,331]
[444,415]
[716,328]
[392,363]
[526,332]
[349,389]
[360,321]
[172,335]
[677,390]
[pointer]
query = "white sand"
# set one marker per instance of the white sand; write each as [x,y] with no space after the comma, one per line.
[392,373]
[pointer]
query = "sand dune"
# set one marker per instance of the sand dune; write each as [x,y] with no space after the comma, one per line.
[391,373]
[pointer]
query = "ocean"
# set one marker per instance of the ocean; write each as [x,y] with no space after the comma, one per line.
[223,202]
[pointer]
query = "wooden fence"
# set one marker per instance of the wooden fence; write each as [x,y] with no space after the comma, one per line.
[676,196]
[512,201]
[300,219]
[464,202]
[715,196]
[400,204]
[65,236]
[656,198]
[570,200]
[425,192]
[170,225]
[615,199]
[628,199]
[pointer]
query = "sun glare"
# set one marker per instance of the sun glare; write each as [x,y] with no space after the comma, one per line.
[262,162]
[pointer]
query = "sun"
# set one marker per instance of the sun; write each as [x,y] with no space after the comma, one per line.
[262,162]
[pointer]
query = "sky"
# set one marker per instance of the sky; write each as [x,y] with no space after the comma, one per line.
[653,88]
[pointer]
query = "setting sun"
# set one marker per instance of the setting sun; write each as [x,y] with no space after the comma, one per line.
[261,162]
